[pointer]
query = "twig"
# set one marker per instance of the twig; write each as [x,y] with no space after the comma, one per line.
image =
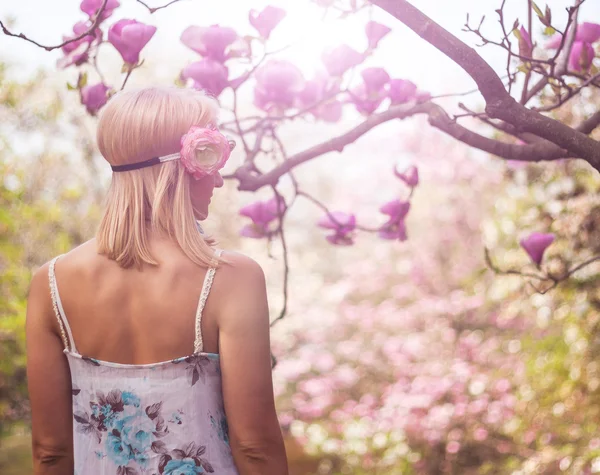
[92,28]
[281,212]
[155,9]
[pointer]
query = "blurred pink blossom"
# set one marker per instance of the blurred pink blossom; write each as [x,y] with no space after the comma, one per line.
[401,91]
[262,214]
[211,42]
[94,97]
[266,20]
[278,83]
[338,60]
[581,57]
[207,74]
[91,7]
[536,244]
[410,176]
[375,32]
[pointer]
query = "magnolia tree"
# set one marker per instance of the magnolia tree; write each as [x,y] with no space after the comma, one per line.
[547,66]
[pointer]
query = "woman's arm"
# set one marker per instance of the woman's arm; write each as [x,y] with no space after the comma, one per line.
[244,347]
[49,382]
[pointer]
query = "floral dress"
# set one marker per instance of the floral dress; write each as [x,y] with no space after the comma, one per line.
[163,418]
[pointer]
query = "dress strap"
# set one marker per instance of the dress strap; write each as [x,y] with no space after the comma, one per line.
[208,280]
[59,312]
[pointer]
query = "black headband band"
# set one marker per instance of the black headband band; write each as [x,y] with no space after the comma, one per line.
[134,166]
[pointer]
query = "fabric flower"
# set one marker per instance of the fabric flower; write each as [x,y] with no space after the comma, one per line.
[211,42]
[129,38]
[267,20]
[94,97]
[278,82]
[343,224]
[91,7]
[204,151]
[410,176]
[375,32]
[187,466]
[536,244]
[338,60]
[207,74]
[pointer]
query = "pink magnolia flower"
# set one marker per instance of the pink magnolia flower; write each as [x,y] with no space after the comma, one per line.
[375,79]
[94,97]
[410,176]
[278,83]
[343,224]
[375,32]
[586,32]
[91,7]
[366,103]
[395,227]
[315,93]
[262,214]
[76,51]
[129,38]
[207,74]
[370,94]
[211,42]
[536,244]
[204,151]
[267,20]
[79,28]
[401,91]
[581,57]
[338,60]
[525,44]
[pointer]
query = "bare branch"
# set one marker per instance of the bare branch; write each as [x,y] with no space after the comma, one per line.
[499,104]
[250,182]
[541,150]
[91,29]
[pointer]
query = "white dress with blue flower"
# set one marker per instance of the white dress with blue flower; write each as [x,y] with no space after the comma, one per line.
[163,418]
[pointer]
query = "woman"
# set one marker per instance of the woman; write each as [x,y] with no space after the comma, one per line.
[148,350]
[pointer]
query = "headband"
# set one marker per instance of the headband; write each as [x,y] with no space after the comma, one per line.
[204,151]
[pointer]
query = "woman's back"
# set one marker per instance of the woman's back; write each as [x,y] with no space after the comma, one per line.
[166,416]
[127,308]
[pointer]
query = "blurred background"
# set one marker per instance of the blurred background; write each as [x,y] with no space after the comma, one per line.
[394,357]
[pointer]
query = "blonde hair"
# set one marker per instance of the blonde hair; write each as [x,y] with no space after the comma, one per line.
[137,125]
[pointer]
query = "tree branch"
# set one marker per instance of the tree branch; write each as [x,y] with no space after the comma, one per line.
[588,125]
[499,104]
[541,150]
[94,25]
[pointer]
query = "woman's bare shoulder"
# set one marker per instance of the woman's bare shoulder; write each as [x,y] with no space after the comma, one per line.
[240,279]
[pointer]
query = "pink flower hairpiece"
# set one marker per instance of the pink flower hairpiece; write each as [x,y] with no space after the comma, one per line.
[204,151]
